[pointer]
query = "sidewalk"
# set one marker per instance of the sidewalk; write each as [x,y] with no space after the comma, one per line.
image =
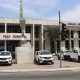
[66,65]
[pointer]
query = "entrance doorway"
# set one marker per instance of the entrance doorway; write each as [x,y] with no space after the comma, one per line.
[10,46]
[1,45]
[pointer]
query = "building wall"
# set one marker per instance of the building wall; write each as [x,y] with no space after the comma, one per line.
[40,24]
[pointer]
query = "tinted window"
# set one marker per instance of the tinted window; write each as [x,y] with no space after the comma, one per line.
[44,53]
[4,53]
[75,51]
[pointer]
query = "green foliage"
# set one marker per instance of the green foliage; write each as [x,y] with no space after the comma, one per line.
[52,33]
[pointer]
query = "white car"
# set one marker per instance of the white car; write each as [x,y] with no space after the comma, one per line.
[64,54]
[74,55]
[43,56]
[5,57]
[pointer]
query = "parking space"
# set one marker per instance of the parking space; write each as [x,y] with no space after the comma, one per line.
[65,64]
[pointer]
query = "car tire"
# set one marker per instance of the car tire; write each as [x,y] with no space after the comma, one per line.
[35,60]
[52,63]
[78,58]
[38,61]
[10,64]
[69,58]
[58,57]
[65,57]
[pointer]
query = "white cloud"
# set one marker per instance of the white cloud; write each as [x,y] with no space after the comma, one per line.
[72,15]
[43,6]
[30,6]
[43,2]
[8,6]
[30,13]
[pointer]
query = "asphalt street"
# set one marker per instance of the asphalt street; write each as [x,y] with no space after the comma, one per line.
[58,75]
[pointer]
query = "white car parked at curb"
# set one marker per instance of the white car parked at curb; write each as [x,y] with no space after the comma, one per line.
[5,57]
[63,54]
[75,55]
[43,56]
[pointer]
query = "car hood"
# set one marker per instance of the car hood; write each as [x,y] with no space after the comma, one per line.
[46,56]
[5,56]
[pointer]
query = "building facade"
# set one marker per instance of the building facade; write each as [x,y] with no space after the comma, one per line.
[10,34]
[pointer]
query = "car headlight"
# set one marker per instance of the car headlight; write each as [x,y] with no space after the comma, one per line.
[52,57]
[9,58]
[41,57]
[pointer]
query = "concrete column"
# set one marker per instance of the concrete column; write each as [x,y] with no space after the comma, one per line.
[5,27]
[62,45]
[70,46]
[41,38]
[33,37]
[5,46]
[76,42]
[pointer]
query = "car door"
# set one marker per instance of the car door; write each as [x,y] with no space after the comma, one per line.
[75,54]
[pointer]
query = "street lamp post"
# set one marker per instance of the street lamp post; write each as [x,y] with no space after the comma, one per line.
[60,39]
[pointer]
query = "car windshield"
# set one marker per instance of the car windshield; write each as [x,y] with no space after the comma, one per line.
[4,53]
[44,53]
[68,51]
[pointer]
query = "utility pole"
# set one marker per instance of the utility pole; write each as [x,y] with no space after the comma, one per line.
[60,38]
[70,48]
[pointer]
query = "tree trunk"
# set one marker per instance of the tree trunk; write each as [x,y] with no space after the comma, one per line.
[55,46]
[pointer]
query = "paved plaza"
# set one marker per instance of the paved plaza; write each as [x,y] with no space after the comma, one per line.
[32,66]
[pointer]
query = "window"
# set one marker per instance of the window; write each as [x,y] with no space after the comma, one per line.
[28,29]
[37,31]
[71,34]
[13,29]
[36,45]
[67,44]
[79,33]
[2,28]
[79,43]
[58,46]
[72,44]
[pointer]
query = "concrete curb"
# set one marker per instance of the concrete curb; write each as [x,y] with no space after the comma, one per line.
[39,70]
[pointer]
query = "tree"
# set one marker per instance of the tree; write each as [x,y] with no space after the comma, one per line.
[53,34]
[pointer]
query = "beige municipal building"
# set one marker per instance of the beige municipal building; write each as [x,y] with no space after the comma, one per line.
[10,34]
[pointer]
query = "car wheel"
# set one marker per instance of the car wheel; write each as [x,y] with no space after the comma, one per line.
[58,57]
[35,60]
[10,64]
[69,58]
[79,58]
[65,57]
[38,62]
[51,63]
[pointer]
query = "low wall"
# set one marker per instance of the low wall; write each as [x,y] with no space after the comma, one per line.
[24,54]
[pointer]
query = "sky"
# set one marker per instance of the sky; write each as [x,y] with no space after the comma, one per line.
[42,9]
